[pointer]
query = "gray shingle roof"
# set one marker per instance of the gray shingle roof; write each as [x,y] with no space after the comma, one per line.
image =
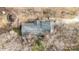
[36,27]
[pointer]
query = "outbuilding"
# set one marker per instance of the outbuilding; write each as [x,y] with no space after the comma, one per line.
[38,27]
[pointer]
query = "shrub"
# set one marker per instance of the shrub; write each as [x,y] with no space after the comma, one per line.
[38,46]
[17,30]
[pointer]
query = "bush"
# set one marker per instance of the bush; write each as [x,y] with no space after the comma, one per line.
[38,46]
[17,30]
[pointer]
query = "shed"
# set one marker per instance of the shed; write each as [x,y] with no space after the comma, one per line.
[38,27]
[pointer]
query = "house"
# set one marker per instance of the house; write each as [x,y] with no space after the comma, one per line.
[38,27]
